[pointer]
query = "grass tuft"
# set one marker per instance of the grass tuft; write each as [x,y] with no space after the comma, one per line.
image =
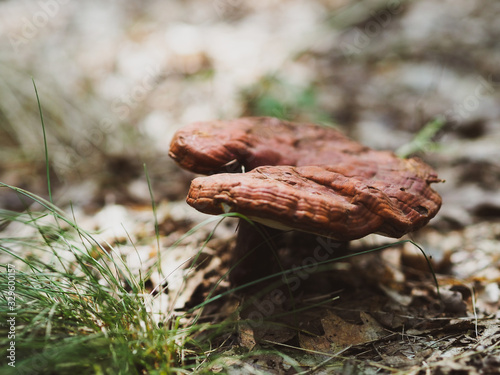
[78,306]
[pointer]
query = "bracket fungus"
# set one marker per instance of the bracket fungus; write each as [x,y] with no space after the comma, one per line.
[304,177]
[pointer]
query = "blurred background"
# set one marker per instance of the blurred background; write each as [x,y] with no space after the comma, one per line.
[116,79]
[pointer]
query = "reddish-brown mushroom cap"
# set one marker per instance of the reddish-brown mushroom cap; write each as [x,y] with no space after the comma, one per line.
[343,202]
[210,147]
[306,177]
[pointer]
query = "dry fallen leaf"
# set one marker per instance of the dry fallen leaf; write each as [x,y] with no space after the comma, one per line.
[340,334]
[261,326]
[247,336]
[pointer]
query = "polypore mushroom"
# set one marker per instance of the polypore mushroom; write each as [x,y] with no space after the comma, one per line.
[345,202]
[304,177]
[216,146]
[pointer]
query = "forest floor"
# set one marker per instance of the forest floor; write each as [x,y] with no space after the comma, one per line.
[115,82]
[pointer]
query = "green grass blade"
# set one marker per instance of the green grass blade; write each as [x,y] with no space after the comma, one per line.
[47,163]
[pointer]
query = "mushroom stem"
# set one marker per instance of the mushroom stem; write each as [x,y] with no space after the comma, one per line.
[253,257]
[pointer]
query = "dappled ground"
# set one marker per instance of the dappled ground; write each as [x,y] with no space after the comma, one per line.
[116,80]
